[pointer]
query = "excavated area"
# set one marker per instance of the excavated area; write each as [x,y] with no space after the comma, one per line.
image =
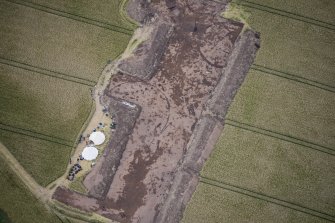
[179,103]
[172,102]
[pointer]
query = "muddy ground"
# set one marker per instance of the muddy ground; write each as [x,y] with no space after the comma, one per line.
[183,98]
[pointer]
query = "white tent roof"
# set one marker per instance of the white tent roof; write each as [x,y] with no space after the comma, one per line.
[90,153]
[97,138]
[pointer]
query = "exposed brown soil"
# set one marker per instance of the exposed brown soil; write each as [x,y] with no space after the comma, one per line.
[100,177]
[177,126]
[76,200]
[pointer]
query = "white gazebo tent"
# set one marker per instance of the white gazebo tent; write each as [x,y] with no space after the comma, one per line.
[90,153]
[97,138]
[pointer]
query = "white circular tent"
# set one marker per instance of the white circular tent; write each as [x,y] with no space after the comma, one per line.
[90,153]
[97,138]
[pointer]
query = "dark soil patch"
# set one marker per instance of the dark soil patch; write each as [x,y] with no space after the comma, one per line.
[135,189]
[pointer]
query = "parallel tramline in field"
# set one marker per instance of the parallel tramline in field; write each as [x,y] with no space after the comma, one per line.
[57,43]
[52,54]
[106,11]
[277,104]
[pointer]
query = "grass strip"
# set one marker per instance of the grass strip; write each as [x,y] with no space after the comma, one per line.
[293,77]
[79,18]
[20,132]
[260,196]
[280,136]
[46,72]
[288,15]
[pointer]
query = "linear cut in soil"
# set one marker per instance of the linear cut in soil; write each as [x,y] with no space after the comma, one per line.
[172,102]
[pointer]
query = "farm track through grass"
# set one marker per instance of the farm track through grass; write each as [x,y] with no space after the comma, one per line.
[47,72]
[290,15]
[43,159]
[17,201]
[79,18]
[264,197]
[281,136]
[293,77]
[50,60]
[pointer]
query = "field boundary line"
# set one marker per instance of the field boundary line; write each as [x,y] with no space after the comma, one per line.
[280,136]
[267,198]
[293,77]
[20,132]
[38,191]
[46,72]
[287,14]
[68,15]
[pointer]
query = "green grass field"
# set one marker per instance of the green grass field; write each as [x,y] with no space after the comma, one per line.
[274,167]
[106,10]
[18,203]
[275,161]
[216,205]
[57,43]
[295,47]
[323,10]
[49,62]
[43,104]
[285,106]
[42,158]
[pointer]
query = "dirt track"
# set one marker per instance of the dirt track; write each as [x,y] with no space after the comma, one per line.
[172,103]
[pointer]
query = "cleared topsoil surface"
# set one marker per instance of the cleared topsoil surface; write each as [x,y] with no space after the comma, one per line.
[171,103]
[49,63]
[275,161]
